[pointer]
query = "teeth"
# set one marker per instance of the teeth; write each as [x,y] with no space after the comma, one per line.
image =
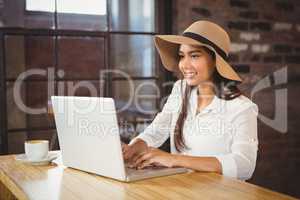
[189,74]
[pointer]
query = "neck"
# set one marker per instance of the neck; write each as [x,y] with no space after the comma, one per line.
[206,95]
[206,90]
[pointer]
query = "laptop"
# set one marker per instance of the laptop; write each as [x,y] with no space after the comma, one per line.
[88,134]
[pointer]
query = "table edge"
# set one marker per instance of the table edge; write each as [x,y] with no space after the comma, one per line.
[12,186]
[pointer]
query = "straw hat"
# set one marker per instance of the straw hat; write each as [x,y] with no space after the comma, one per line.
[203,33]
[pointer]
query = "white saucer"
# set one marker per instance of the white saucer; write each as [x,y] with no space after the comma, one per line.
[45,161]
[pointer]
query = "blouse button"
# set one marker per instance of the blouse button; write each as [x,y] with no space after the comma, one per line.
[253,140]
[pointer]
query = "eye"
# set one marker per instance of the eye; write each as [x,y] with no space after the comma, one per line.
[195,56]
[180,57]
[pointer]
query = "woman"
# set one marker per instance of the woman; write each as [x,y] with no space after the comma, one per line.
[212,127]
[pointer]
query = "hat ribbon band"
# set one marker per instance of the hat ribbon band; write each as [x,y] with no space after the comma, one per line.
[206,41]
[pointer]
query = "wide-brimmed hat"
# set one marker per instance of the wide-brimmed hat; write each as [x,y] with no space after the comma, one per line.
[203,33]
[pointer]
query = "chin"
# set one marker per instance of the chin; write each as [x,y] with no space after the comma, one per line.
[193,82]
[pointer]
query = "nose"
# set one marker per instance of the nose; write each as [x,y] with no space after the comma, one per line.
[185,63]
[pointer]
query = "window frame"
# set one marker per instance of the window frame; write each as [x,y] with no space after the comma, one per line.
[163,27]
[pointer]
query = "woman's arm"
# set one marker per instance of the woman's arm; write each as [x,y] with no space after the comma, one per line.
[206,164]
[156,156]
[241,162]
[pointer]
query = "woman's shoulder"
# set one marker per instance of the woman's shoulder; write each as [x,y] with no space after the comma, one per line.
[179,83]
[179,86]
[241,104]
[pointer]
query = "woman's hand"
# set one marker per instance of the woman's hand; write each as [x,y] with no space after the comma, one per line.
[133,151]
[139,155]
[154,156]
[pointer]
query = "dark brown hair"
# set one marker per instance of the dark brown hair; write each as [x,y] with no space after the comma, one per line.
[224,88]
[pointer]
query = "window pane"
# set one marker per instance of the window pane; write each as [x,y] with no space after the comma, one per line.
[27,104]
[80,88]
[14,55]
[38,95]
[87,7]
[136,99]
[16,118]
[39,52]
[31,52]
[82,15]
[133,54]
[40,5]
[16,142]
[133,15]
[15,14]
[136,106]
[81,57]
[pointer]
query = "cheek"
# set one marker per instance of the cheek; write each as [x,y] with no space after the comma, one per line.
[181,68]
[202,68]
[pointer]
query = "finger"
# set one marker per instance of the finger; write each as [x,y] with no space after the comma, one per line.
[142,158]
[130,164]
[124,146]
[145,164]
[133,159]
[129,153]
[137,155]
[157,164]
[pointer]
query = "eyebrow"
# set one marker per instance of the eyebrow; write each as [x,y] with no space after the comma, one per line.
[192,51]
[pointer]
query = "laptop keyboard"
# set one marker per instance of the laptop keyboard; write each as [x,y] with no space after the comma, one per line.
[147,167]
[131,170]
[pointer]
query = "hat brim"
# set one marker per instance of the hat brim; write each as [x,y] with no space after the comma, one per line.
[168,46]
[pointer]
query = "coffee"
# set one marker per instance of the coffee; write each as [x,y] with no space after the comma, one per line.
[36,150]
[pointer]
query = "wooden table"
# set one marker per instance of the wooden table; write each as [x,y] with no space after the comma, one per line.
[23,181]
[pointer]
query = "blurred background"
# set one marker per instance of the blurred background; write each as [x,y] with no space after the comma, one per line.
[78,39]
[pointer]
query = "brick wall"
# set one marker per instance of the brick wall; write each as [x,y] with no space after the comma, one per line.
[265,38]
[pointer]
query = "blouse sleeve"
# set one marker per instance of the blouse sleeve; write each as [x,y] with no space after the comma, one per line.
[241,162]
[159,130]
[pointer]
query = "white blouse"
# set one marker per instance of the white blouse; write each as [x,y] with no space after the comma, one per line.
[224,129]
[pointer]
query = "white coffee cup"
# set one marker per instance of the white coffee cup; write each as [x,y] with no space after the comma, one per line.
[36,150]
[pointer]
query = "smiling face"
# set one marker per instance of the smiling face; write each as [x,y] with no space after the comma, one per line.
[196,64]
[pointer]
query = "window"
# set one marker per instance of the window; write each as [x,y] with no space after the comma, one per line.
[40,5]
[86,7]
[86,37]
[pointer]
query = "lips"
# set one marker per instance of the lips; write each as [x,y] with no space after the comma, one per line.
[189,75]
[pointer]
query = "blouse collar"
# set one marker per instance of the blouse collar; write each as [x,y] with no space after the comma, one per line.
[214,107]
